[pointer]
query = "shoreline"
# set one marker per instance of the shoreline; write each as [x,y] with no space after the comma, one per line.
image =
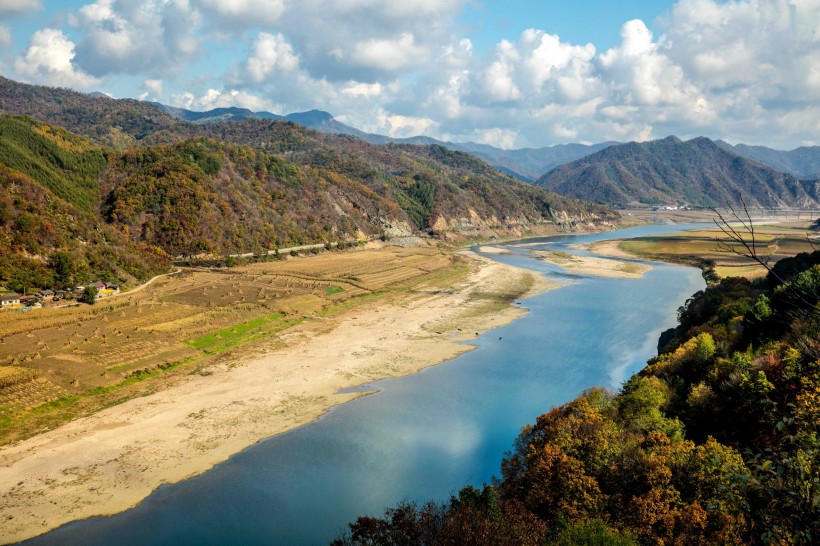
[110,461]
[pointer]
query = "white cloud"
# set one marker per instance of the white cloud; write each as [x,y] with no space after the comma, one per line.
[217,98]
[368,90]
[152,90]
[402,126]
[389,55]
[271,55]
[153,37]
[367,40]
[5,37]
[500,138]
[17,7]
[49,60]
[737,69]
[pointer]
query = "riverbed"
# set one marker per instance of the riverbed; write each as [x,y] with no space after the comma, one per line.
[424,436]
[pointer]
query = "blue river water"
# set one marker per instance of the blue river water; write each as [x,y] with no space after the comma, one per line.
[420,437]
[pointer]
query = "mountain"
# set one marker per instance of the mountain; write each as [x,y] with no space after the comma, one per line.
[531,163]
[135,194]
[50,236]
[803,162]
[526,164]
[113,122]
[697,172]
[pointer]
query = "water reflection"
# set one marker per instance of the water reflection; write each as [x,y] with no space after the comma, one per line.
[419,437]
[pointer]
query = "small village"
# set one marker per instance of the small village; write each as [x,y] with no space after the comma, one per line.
[12,301]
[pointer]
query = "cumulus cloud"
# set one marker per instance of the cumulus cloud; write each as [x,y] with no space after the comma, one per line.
[367,40]
[740,69]
[136,37]
[152,90]
[756,61]
[398,126]
[389,55]
[220,98]
[271,55]
[5,37]
[49,59]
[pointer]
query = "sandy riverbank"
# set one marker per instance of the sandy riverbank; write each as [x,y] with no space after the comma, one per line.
[594,267]
[108,462]
[611,248]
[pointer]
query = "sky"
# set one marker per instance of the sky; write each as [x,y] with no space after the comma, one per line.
[512,74]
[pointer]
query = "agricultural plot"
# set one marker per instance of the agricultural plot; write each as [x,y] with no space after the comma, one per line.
[772,242]
[180,324]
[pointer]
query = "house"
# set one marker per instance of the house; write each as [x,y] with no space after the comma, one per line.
[97,285]
[8,299]
[45,295]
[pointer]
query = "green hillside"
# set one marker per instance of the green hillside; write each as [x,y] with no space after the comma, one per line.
[64,163]
[46,242]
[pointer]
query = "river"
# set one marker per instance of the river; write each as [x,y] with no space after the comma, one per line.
[419,437]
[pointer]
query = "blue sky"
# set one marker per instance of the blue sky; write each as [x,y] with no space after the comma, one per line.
[511,74]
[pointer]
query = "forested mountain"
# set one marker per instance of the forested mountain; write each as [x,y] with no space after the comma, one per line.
[117,123]
[526,164]
[803,162]
[697,172]
[714,442]
[50,233]
[175,188]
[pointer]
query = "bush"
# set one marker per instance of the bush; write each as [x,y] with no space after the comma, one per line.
[89,295]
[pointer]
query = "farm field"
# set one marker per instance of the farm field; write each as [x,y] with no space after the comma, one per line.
[58,364]
[708,248]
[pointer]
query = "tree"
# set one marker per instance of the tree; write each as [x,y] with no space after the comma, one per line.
[89,295]
[743,242]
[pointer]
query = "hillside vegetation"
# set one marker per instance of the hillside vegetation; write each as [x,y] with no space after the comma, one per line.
[111,122]
[669,171]
[714,442]
[802,162]
[140,188]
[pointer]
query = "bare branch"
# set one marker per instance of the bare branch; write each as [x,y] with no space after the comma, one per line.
[739,245]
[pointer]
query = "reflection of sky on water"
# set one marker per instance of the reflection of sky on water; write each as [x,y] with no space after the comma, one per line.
[419,437]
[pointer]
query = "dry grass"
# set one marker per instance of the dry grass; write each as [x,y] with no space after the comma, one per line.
[181,324]
[11,376]
[773,242]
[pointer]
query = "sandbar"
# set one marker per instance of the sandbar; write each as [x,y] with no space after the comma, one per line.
[593,266]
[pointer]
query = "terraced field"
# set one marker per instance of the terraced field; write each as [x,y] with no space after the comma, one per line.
[184,324]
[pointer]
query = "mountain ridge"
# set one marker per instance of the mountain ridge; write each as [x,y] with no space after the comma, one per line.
[697,172]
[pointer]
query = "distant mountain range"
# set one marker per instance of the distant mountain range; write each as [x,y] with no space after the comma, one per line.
[803,162]
[526,163]
[697,172]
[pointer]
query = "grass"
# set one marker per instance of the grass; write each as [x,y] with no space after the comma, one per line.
[54,413]
[330,290]
[234,335]
[703,249]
